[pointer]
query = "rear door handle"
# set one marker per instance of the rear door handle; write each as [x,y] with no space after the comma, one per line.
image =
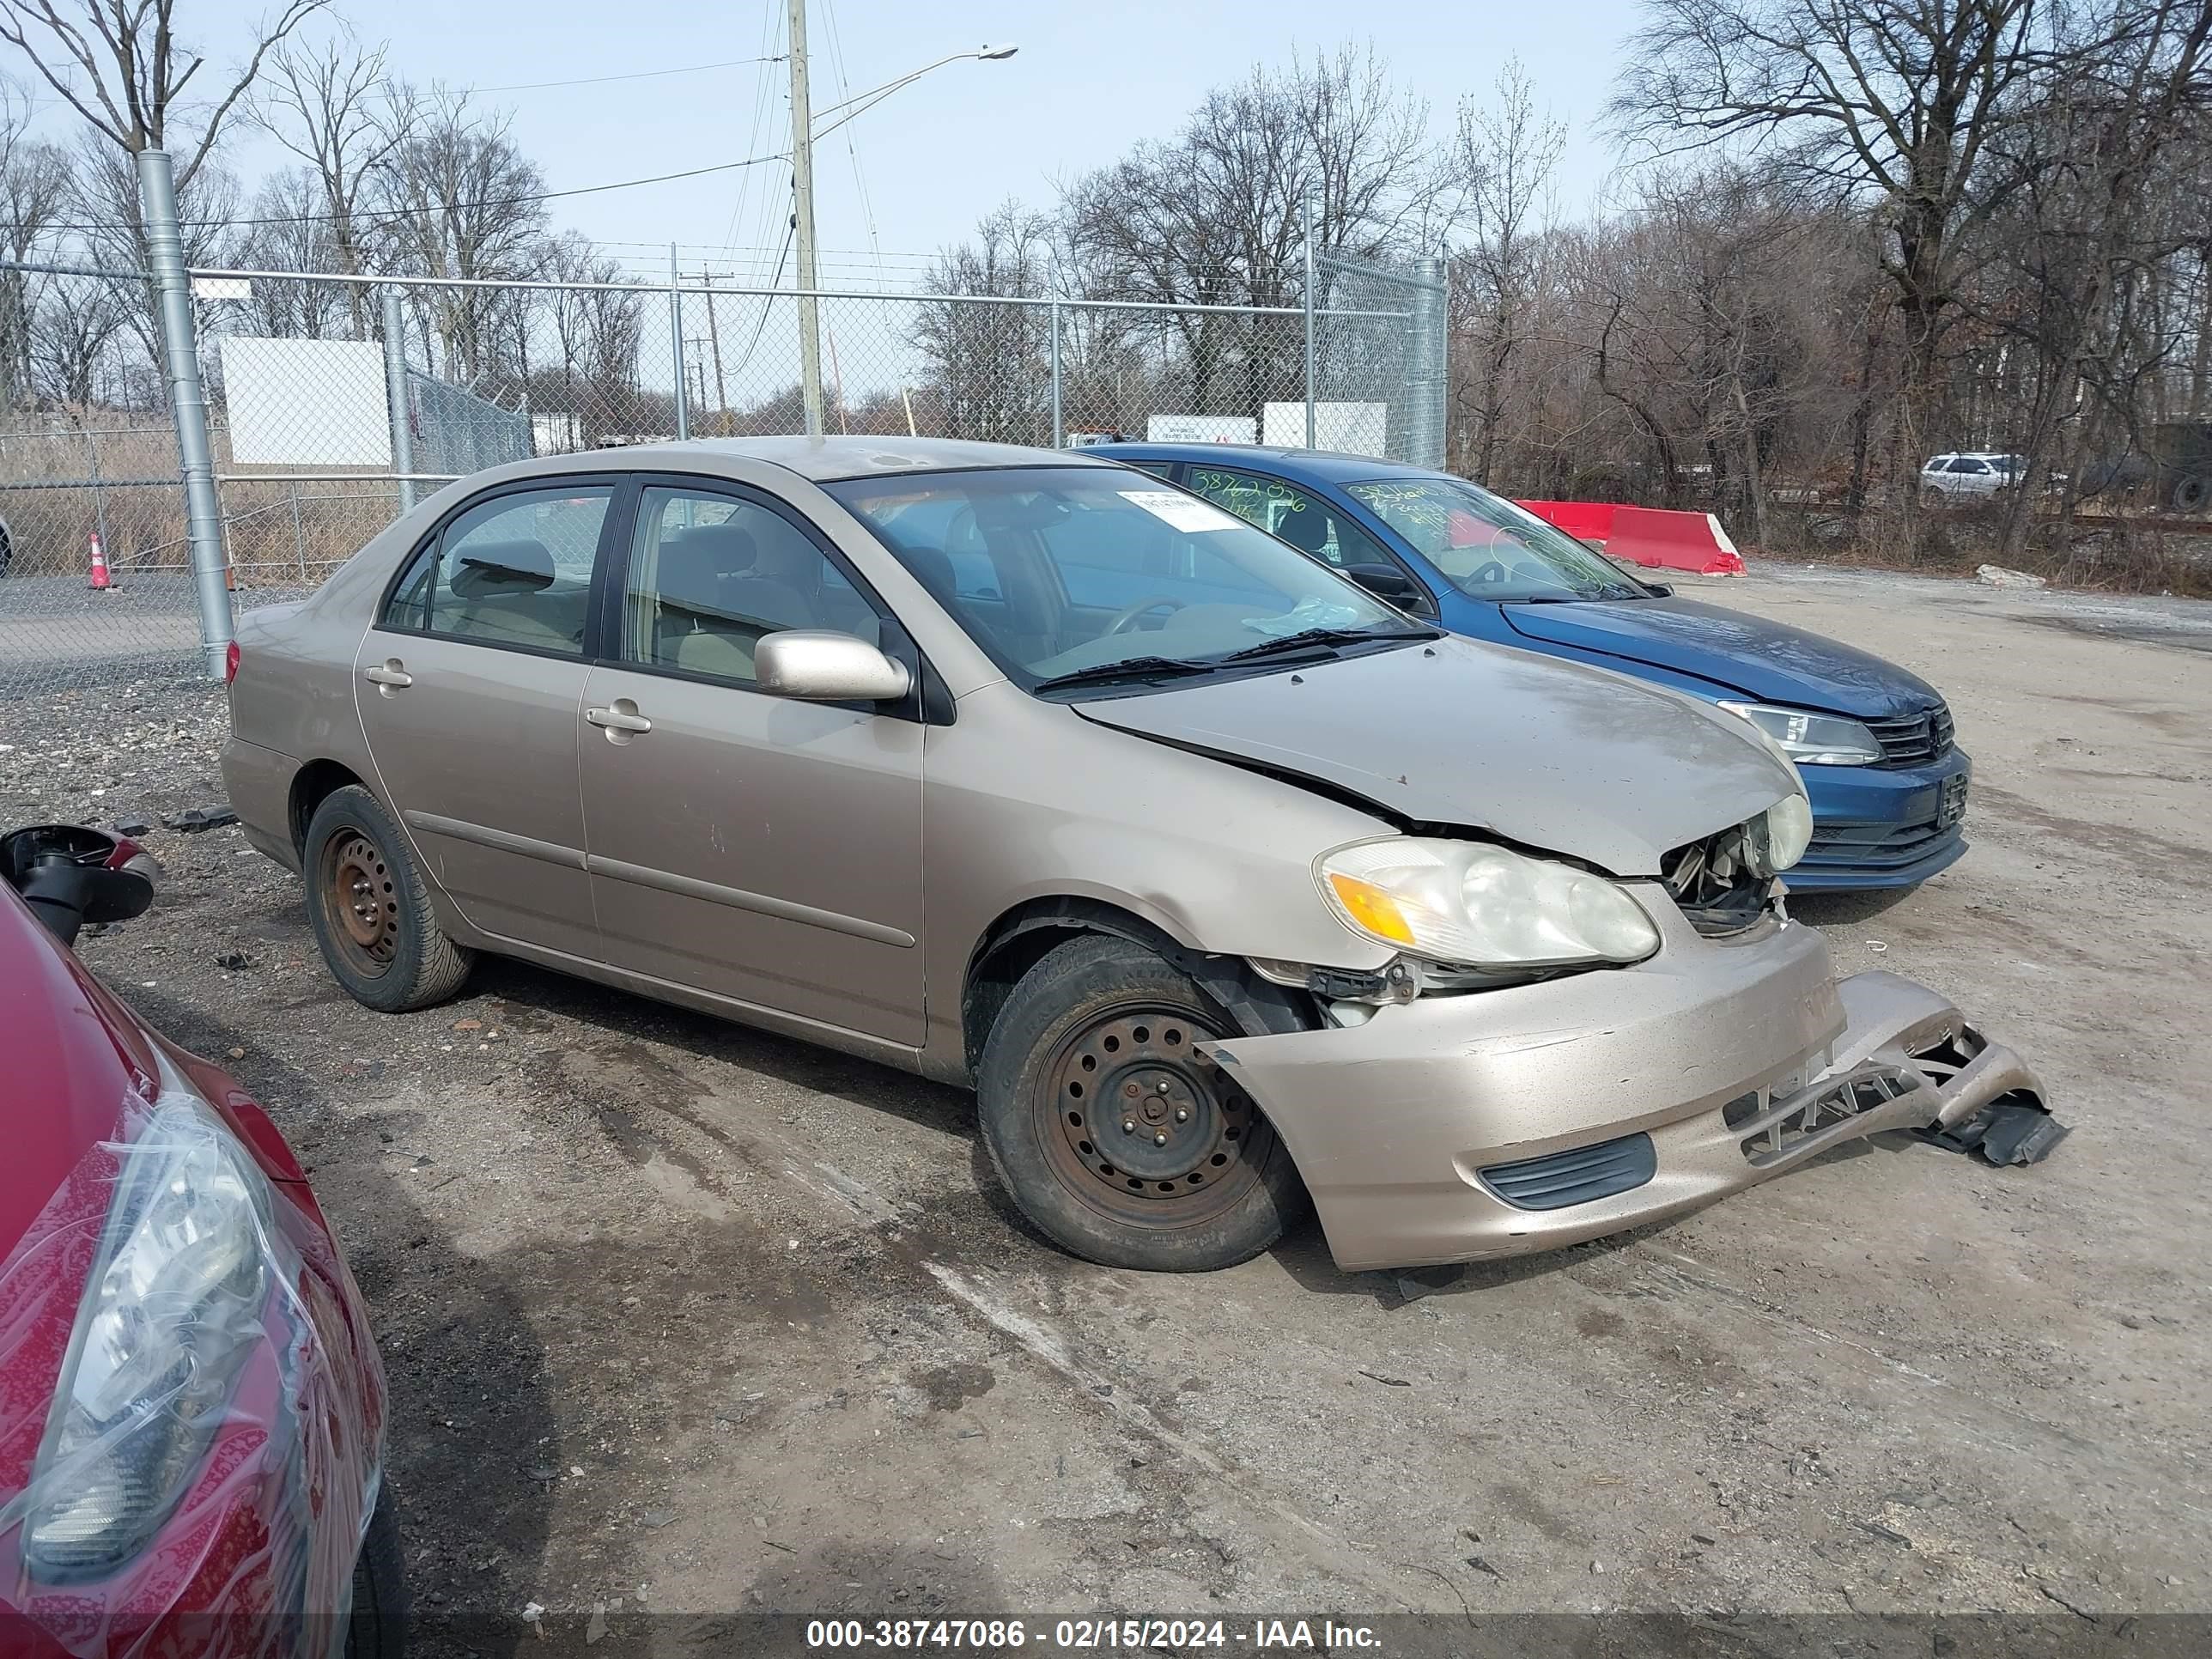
[389,676]
[621,722]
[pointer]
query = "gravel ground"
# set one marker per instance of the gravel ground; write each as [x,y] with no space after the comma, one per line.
[683,1321]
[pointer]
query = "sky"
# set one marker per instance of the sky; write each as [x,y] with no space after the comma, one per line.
[916,174]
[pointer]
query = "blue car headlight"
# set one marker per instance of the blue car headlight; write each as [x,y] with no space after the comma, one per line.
[1811,739]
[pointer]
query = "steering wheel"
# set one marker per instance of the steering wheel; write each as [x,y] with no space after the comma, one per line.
[1125,617]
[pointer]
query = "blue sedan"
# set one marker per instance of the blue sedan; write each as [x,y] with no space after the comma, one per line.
[1889,785]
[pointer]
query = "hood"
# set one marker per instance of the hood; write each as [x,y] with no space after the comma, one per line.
[1552,755]
[1764,660]
[75,1060]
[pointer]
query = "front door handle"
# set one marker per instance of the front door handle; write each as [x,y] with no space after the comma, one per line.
[621,722]
[389,677]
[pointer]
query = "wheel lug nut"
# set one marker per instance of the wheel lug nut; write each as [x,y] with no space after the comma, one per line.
[1160,1141]
[1164,1086]
[1127,1128]
[1182,1116]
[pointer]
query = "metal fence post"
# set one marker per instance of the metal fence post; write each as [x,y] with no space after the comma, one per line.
[1431,342]
[157,193]
[99,490]
[395,392]
[676,346]
[1058,435]
[1310,325]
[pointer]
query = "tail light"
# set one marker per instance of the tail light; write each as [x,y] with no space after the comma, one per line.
[230,662]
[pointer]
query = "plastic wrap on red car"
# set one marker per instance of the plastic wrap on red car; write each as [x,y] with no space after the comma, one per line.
[190,1424]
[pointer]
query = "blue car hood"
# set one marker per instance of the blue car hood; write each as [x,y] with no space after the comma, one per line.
[1767,661]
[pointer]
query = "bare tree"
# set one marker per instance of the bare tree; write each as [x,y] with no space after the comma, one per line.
[989,364]
[1218,214]
[1505,154]
[335,106]
[1895,103]
[600,330]
[290,232]
[459,200]
[120,64]
[36,188]
[74,320]
[2074,186]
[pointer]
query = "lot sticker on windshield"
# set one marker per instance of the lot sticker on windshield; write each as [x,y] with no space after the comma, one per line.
[1183,512]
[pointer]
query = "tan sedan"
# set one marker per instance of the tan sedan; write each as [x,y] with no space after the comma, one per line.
[1222,882]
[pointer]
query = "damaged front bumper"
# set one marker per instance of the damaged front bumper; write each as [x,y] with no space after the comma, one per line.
[1457,1128]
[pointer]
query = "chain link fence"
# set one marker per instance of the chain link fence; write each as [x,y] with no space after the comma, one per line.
[334,403]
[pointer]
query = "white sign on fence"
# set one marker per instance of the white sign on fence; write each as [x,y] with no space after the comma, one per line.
[1202,429]
[1350,429]
[306,402]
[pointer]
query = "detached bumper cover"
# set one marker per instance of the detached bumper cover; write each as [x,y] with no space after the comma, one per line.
[1447,1129]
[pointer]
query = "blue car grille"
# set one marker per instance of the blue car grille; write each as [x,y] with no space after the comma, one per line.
[1876,846]
[1914,739]
[1574,1176]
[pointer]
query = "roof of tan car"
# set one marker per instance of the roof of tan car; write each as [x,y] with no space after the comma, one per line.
[827,457]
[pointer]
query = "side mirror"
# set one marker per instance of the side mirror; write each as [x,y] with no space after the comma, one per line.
[816,666]
[1388,583]
[70,876]
[1661,590]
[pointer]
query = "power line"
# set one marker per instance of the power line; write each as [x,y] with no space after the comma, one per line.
[39,103]
[444,207]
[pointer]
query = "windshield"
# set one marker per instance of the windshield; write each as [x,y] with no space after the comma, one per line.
[1064,573]
[1488,547]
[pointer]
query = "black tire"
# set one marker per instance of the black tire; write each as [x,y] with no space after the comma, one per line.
[1102,1021]
[378,1627]
[371,909]
[2192,494]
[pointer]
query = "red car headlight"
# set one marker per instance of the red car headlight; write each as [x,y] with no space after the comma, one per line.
[172,1311]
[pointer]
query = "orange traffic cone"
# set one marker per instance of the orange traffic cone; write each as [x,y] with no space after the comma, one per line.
[100,581]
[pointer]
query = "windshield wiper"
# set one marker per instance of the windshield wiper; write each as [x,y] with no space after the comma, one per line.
[1308,638]
[1124,670]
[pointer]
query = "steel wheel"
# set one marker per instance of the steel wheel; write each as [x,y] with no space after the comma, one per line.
[357,888]
[1140,1128]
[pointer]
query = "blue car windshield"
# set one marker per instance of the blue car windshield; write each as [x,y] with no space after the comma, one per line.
[1490,548]
[1062,573]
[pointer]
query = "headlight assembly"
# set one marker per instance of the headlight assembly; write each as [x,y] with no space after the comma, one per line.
[171,1312]
[1788,826]
[1811,739]
[1470,902]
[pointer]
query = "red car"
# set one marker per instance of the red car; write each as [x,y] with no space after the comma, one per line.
[191,1408]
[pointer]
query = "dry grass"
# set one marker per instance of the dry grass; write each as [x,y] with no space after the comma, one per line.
[2133,556]
[273,529]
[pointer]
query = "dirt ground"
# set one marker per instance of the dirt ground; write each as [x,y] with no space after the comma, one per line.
[685,1321]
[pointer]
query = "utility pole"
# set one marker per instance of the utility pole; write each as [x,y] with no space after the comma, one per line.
[714,339]
[802,195]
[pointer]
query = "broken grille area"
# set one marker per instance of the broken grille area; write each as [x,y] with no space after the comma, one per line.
[1775,1135]
[1712,882]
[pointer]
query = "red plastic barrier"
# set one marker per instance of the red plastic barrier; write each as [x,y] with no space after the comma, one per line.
[1649,536]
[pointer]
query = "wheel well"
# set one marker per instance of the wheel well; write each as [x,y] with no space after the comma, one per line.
[1024,935]
[313,785]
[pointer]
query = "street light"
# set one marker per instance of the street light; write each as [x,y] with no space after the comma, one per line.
[803,134]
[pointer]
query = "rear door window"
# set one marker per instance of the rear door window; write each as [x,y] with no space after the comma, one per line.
[513,571]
